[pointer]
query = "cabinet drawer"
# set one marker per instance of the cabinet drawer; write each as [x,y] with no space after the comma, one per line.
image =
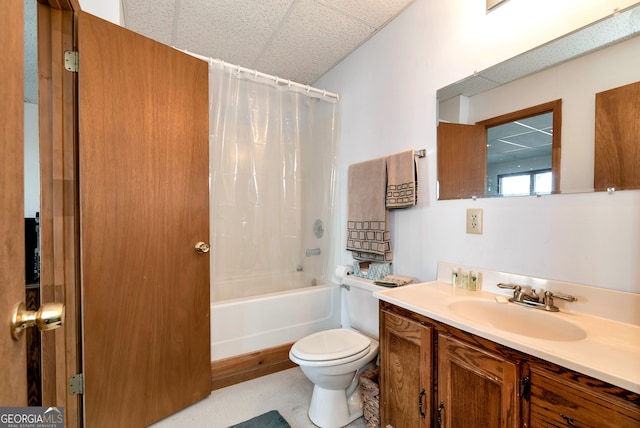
[560,402]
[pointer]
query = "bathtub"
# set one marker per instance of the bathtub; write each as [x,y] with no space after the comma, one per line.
[248,324]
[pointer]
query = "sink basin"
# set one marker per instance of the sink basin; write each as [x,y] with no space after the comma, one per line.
[516,319]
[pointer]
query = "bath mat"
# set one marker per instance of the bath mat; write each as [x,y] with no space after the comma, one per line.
[272,419]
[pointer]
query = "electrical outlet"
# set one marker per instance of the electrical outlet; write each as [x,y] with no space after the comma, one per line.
[474,220]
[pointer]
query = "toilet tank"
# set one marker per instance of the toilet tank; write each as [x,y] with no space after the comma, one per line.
[361,307]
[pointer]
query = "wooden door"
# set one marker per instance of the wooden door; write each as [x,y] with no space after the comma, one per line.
[462,160]
[406,372]
[13,371]
[144,198]
[475,388]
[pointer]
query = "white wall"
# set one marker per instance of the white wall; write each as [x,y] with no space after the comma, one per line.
[111,10]
[388,102]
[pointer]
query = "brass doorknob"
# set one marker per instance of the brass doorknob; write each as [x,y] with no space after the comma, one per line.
[48,317]
[202,247]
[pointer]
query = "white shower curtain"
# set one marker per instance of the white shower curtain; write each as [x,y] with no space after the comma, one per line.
[273,160]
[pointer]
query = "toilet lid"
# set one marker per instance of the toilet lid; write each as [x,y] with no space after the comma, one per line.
[330,345]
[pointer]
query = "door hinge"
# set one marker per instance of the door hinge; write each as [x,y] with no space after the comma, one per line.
[76,384]
[71,61]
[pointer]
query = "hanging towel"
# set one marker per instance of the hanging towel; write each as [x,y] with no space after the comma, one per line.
[368,236]
[402,180]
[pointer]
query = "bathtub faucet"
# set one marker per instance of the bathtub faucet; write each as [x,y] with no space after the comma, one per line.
[313,252]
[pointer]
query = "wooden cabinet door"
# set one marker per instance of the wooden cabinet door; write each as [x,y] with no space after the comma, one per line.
[476,388]
[144,204]
[406,373]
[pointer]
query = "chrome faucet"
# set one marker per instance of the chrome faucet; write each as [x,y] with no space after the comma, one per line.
[533,299]
[520,296]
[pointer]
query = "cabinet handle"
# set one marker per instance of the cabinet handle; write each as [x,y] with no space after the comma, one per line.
[422,393]
[569,420]
[525,387]
[440,409]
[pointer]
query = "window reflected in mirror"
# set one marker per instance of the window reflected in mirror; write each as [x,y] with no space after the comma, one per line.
[525,183]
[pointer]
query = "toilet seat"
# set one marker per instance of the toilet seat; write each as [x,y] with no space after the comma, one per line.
[331,345]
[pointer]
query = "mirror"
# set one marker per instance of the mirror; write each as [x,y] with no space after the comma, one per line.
[573,68]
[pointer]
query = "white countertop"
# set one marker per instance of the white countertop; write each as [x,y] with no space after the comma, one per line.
[610,352]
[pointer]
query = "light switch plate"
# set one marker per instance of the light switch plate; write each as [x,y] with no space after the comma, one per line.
[474,220]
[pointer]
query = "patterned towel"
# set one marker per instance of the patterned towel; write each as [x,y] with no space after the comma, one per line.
[402,180]
[368,236]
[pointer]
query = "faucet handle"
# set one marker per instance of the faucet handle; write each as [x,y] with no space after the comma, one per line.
[548,300]
[566,297]
[517,291]
[509,286]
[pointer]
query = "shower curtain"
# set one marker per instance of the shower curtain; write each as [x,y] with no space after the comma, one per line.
[273,178]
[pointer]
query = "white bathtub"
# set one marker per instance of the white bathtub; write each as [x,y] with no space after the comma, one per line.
[244,325]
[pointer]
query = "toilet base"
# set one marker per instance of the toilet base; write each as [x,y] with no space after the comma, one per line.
[331,408]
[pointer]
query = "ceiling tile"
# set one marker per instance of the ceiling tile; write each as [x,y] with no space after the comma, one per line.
[230,30]
[30,53]
[310,41]
[373,12]
[294,39]
[155,22]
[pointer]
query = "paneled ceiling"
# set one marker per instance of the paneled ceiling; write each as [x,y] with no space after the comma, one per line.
[298,40]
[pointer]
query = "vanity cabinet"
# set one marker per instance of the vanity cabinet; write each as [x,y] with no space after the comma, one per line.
[432,374]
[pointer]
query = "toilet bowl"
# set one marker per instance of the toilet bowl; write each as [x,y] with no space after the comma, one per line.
[333,361]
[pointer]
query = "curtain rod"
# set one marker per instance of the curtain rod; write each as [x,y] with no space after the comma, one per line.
[256,73]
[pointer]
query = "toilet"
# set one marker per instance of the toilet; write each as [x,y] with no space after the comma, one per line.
[334,359]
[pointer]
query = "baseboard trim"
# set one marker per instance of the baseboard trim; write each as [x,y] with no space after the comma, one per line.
[241,368]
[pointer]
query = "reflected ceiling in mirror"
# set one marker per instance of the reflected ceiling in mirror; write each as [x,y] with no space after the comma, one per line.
[521,139]
[520,150]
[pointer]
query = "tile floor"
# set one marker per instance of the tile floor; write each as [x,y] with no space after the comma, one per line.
[288,391]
